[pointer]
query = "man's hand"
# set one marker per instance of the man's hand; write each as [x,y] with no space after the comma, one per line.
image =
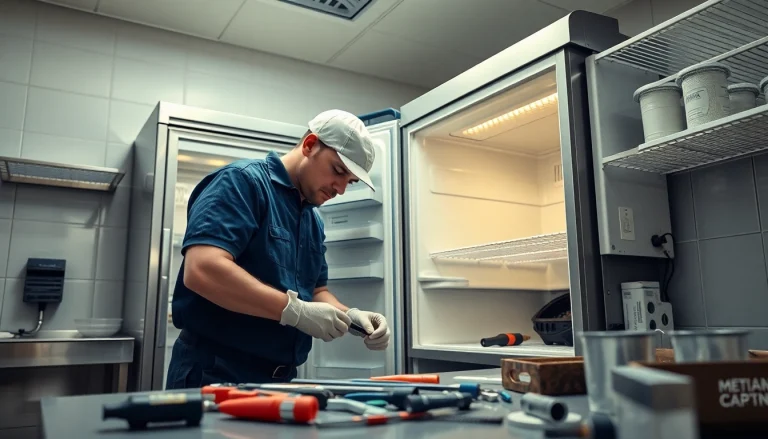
[375,324]
[320,320]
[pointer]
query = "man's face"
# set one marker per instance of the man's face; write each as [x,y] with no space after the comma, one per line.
[322,174]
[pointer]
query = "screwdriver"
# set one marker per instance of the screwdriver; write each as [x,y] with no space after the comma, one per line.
[471,388]
[300,409]
[246,391]
[423,403]
[509,339]
[395,397]
[140,410]
[408,378]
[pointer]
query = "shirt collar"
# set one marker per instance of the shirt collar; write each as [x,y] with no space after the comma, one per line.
[277,171]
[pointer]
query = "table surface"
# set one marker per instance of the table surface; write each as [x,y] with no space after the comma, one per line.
[80,416]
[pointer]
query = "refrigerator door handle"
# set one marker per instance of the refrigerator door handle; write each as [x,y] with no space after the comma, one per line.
[165,266]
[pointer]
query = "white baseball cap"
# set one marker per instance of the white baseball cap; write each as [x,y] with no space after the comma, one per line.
[348,136]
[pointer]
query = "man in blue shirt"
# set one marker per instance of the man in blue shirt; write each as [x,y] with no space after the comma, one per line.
[251,292]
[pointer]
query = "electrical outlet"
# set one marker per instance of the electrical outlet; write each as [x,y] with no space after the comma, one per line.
[626,224]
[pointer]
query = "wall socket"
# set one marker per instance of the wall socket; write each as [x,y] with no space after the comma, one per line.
[626,223]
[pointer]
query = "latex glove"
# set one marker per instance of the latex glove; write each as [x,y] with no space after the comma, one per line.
[375,324]
[318,319]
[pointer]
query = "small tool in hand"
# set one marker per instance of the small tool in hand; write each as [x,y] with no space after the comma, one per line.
[509,339]
[359,329]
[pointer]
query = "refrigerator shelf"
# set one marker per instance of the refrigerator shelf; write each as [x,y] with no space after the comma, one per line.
[369,233]
[699,34]
[344,372]
[534,249]
[477,354]
[369,271]
[353,199]
[727,138]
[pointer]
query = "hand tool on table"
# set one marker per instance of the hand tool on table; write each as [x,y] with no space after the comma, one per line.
[226,392]
[544,407]
[406,378]
[508,339]
[340,389]
[356,407]
[488,395]
[362,420]
[140,410]
[396,396]
[471,388]
[423,403]
[301,409]
[505,396]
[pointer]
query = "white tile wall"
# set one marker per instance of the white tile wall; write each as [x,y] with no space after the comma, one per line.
[76,88]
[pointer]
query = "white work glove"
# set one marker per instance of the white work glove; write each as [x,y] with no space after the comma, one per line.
[320,320]
[373,323]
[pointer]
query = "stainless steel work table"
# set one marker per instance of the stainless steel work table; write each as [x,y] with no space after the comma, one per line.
[80,417]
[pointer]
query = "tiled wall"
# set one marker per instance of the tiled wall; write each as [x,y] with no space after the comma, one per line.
[75,88]
[720,222]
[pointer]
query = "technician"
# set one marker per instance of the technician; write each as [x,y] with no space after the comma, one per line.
[251,292]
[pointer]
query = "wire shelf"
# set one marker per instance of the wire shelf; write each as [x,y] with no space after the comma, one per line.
[540,248]
[18,170]
[700,34]
[727,138]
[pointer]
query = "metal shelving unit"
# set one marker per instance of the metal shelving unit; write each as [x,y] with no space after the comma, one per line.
[733,32]
[18,170]
[707,31]
[723,139]
[534,249]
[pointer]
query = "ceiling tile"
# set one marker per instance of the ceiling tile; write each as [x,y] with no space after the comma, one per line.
[205,18]
[391,57]
[86,5]
[297,32]
[466,26]
[596,6]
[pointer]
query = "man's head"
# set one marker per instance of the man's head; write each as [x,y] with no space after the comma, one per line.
[336,151]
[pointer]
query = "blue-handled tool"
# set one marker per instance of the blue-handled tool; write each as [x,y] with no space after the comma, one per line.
[396,397]
[471,388]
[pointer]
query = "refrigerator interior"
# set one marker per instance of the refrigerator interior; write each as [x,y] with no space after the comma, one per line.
[487,212]
[360,245]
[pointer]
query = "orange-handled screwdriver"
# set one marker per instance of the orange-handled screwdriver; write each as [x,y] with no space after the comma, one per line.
[301,409]
[510,339]
[410,378]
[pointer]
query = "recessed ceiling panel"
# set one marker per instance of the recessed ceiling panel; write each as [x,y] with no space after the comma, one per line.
[205,18]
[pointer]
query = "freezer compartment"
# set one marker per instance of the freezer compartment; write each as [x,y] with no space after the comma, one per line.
[488,224]
[366,271]
[368,233]
[354,198]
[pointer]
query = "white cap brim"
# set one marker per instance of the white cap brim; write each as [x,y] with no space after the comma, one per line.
[357,171]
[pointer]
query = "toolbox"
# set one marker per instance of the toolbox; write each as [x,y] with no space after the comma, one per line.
[546,376]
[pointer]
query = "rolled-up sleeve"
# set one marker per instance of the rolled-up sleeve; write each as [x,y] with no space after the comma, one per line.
[225,213]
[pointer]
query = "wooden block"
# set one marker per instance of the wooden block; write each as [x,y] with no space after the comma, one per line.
[665,355]
[546,376]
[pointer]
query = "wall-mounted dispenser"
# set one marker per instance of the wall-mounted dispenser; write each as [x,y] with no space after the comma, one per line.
[44,284]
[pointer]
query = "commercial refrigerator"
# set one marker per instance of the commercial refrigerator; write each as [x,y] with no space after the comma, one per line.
[499,203]
[176,148]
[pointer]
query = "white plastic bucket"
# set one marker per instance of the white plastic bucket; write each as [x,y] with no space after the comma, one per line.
[705,92]
[743,96]
[660,109]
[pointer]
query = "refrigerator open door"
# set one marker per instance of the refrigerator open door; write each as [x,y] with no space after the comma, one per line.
[191,156]
[364,265]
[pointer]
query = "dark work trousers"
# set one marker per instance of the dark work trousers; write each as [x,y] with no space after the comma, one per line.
[197,362]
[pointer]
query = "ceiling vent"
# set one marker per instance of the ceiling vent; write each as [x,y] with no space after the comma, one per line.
[348,9]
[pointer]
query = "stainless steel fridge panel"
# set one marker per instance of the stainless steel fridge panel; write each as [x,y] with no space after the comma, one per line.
[580,28]
[227,123]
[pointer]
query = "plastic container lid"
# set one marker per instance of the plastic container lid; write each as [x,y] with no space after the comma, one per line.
[649,88]
[744,86]
[702,67]
[763,83]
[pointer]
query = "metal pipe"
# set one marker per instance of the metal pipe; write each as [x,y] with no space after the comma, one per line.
[22,332]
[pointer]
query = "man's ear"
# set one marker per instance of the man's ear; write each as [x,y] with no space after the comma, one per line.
[309,144]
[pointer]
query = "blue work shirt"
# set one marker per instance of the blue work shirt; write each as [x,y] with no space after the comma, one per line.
[251,209]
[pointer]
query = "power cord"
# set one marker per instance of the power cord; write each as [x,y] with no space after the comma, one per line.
[669,271]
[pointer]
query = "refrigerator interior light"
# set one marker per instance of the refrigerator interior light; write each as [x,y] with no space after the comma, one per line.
[520,116]
[18,170]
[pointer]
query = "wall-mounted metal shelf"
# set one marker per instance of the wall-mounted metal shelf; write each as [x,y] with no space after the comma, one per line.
[723,139]
[700,34]
[18,170]
[534,249]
